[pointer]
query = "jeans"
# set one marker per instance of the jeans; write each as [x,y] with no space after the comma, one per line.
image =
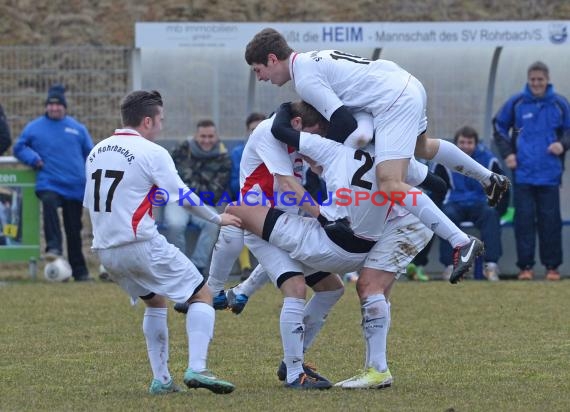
[176,219]
[485,218]
[72,212]
[537,208]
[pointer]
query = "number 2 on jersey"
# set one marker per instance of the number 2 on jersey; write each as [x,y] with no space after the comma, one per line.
[116,175]
[357,179]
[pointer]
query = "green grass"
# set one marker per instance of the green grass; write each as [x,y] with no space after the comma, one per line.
[472,347]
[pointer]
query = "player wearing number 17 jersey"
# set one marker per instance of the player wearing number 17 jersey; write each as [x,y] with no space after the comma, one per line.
[338,84]
[123,175]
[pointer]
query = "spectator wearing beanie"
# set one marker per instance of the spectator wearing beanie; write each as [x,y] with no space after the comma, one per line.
[56,146]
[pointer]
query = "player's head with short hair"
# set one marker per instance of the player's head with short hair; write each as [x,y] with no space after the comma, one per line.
[253,120]
[265,42]
[138,105]
[310,117]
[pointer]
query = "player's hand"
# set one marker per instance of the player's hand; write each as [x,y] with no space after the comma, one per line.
[39,164]
[228,219]
[339,227]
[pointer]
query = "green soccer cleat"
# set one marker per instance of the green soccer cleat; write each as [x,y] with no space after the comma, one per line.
[369,379]
[159,388]
[206,379]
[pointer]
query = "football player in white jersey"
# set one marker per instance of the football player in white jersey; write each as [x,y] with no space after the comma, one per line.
[338,84]
[126,174]
[270,173]
[361,227]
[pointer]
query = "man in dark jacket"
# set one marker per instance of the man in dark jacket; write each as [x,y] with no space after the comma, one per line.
[532,132]
[5,139]
[204,165]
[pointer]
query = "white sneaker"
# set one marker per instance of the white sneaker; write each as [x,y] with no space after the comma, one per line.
[492,271]
[447,272]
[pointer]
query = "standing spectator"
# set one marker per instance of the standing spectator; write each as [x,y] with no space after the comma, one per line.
[532,132]
[204,165]
[466,201]
[56,145]
[5,139]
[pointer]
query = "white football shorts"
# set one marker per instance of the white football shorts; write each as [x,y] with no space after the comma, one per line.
[398,128]
[403,238]
[151,266]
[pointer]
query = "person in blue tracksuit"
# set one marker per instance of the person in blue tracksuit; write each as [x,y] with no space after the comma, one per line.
[532,133]
[56,146]
[466,201]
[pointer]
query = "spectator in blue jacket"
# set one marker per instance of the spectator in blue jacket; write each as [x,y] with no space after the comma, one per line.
[466,201]
[532,132]
[56,146]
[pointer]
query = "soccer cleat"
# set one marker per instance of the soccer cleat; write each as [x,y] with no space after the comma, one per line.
[526,274]
[304,381]
[159,388]
[220,301]
[552,274]
[368,379]
[463,258]
[236,303]
[416,273]
[496,189]
[182,307]
[207,380]
[308,368]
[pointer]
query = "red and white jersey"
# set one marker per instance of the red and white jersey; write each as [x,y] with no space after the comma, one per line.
[263,157]
[328,79]
[121,172]
[351,186]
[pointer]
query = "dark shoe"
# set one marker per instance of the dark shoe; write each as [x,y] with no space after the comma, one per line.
[463,258]
[495,191]
[182,307]
[308,368]
[304,381]
[220,301]
[236,303]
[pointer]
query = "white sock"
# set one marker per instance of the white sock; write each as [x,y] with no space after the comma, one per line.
[375,328]
[421,206]
[316,312]
[253,283]
[226,251]
[200,330]
[458,161]
[155,331]
[292,334]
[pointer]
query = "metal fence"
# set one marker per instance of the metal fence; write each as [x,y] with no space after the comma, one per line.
[95,78]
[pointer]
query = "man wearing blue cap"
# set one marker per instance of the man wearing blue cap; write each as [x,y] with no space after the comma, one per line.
[56,146]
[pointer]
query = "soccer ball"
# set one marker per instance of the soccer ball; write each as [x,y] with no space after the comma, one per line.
[57,271]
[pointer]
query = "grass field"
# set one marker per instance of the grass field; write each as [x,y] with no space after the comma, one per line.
[473,347]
